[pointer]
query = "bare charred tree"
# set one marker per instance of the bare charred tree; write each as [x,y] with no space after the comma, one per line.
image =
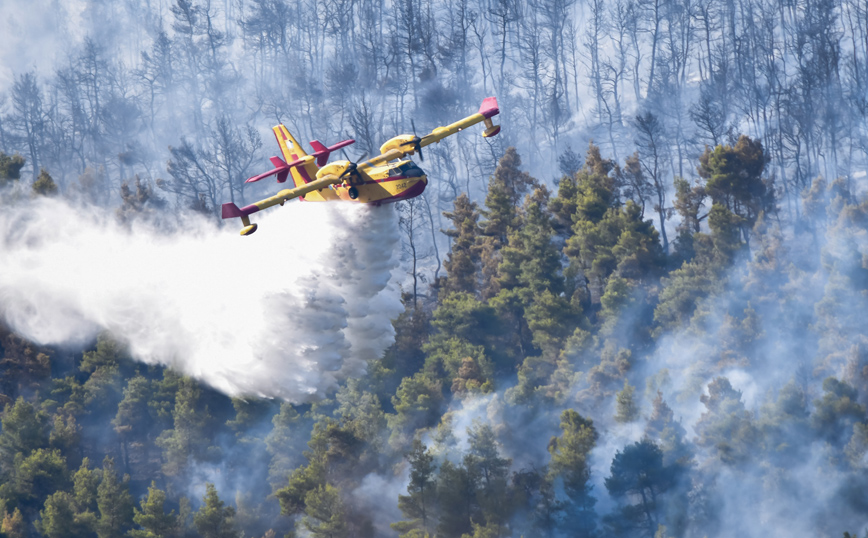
[502,14]
[28,118]
[233,151]
[411,221]
[653,154]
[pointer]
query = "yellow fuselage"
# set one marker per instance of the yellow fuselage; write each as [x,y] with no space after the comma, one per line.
[390,182]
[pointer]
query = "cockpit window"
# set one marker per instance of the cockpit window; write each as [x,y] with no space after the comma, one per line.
[406,168]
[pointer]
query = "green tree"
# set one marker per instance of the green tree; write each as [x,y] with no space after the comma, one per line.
[417,404]
[133,411]
[490,530]
[138,200]
[61,518]
[485,462]
[506,190]
[152,518]
[114,502]
[86,487]
[283,444]
[462,262]
[457,498]
[34,478]
[418,505]
[24,429]
[214,519]
[13,525]
[626,409]
[10,167]
[44,184]
[461,315]
[726,428]
[362,413]
[405,357]
[670,435]
[304,479]
[638,474]
[682,290]
[24,367]
[837,412]
[103,387]
[188,439]
[324,513]
[335,452]
[570,466]
[733,177]
[531,259]
[689,200]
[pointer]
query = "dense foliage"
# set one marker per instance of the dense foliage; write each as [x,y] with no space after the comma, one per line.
[567,377]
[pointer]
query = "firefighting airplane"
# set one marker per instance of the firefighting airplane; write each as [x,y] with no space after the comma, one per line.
[383,179]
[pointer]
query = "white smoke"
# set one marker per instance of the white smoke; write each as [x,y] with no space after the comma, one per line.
[285,313]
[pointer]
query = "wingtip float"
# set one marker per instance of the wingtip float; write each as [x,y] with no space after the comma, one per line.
[389,177]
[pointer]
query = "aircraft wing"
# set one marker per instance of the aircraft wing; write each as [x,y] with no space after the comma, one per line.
[400,146]
[488,110]
[230,210]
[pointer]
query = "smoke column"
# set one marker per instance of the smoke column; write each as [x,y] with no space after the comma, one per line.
[283,313]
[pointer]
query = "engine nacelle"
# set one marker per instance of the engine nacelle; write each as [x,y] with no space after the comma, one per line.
[399,143]
[332,169]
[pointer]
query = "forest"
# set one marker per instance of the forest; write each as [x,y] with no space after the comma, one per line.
[638,311]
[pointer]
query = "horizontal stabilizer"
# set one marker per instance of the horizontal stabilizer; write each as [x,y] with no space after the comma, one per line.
[489,107]
[322,153]
[317,146]
[230,211]
[282,170]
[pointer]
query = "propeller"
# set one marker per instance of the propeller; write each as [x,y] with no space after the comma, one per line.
[353,166]
[415,142]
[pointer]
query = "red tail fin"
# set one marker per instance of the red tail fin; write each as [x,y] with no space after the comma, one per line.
[230,211]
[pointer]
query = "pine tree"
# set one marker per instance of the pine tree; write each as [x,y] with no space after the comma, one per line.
[35,477]
[24,429]
[61,518]
[462,263]
[44,184]
[626,409]
[10,167]
[24,367]
[324,513]
[726,427]
[152,518]
[132,413]
[103,387]
[214,519]
[484,461]
[418,505]
[506,190]
[188,438]
[733,177]
[85,487]
[638,473]
[13,525]
[837,412]
[284,443]
[670,435]
[570,465]
[114,502]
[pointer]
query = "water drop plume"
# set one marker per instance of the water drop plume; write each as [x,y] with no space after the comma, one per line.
[286,312]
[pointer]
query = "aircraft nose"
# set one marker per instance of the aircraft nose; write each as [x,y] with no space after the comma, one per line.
[414,171]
